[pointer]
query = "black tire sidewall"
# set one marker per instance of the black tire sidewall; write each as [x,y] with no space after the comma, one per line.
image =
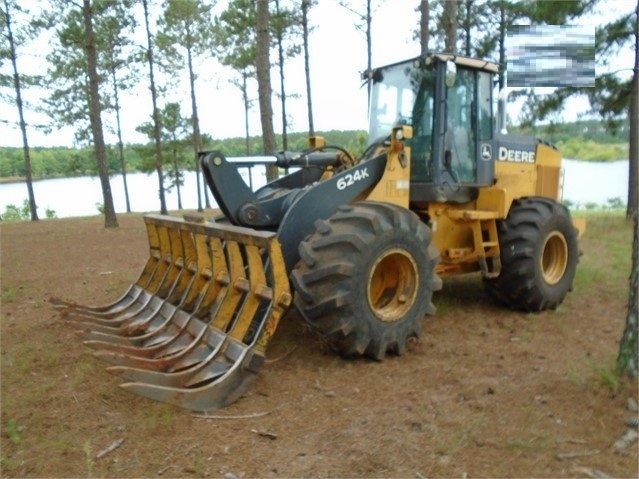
[352,241]
[522,236]
[561,224]
[358,283]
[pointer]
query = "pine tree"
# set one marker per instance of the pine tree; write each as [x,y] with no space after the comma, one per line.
[157,119]
[185,34]
[17,80]
[264,82]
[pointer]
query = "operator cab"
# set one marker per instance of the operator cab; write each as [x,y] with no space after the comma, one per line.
[448,101]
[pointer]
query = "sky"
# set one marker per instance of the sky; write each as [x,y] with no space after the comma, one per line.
[338,56]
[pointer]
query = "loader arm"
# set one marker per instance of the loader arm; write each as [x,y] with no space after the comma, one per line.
[292,204]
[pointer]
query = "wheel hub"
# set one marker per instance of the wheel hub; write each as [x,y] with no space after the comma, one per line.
[554,258]
[392,285]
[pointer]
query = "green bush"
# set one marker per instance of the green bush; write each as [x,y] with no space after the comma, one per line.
[13,213]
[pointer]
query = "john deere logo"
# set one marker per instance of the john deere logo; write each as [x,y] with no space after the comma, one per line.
[486,152]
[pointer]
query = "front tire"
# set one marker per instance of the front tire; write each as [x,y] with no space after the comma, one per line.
[539,255]
[366,278]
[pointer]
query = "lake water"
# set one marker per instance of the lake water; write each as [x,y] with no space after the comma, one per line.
[584,182]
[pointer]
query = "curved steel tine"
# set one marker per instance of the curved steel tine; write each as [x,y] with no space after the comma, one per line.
[151,276]
[134,290]
[86,321]
[127,331]
[163,359]
[218,384]
[177,281]
[224,384]
[197,296]
[223,313]
[179,340]
[210,383]
[120,304]
[152,345]
[179,368]
[163,276]
[145,344]
[113,317]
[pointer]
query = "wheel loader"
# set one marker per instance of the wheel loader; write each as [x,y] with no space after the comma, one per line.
[357,245]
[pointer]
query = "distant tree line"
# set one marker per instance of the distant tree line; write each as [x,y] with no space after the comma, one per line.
[60,162]
[583,140]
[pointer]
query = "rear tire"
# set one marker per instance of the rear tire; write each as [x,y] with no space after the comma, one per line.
[539,255]
[366,278]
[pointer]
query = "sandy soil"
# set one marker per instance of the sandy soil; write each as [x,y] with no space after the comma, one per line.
[485,392]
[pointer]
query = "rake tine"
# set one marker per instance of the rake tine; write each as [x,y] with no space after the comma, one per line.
[179,368]
[155,340]
[195,336]
[149,271]
[162,275]
[175,283]
[148,346]
[223,314]
[199,295]
[224,383]
[120,304]
[163,359]
[214,384]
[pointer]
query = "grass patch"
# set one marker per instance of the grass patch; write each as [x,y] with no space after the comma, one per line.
[158,417]
[86,367]
[8,295]
[573,375]
[594,375]
[607,252]
[13,431]
[463,438]
[25,358]
[606,376]
[88,452]
[534,443]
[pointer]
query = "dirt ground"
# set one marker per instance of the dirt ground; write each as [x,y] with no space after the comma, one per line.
[485,392]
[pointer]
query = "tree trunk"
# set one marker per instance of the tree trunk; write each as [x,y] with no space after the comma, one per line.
[176,176]
[110,219]
[246,112]
[33,209]
[307,71]
[424,20]
[633,163]
[628,359]
[116,99]
[450,26]
[264,85]
[468,5]
[280,56]
[197,139]
[502,45]
[369,48]
[156,113]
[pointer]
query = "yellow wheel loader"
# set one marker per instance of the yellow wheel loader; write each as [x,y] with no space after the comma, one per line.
[358,245]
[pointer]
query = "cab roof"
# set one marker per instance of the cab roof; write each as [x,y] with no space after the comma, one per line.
[474,63]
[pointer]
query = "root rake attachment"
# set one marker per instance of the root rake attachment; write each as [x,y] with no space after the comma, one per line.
[193,329]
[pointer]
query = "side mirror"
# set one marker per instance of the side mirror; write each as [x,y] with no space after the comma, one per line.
[451,73]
